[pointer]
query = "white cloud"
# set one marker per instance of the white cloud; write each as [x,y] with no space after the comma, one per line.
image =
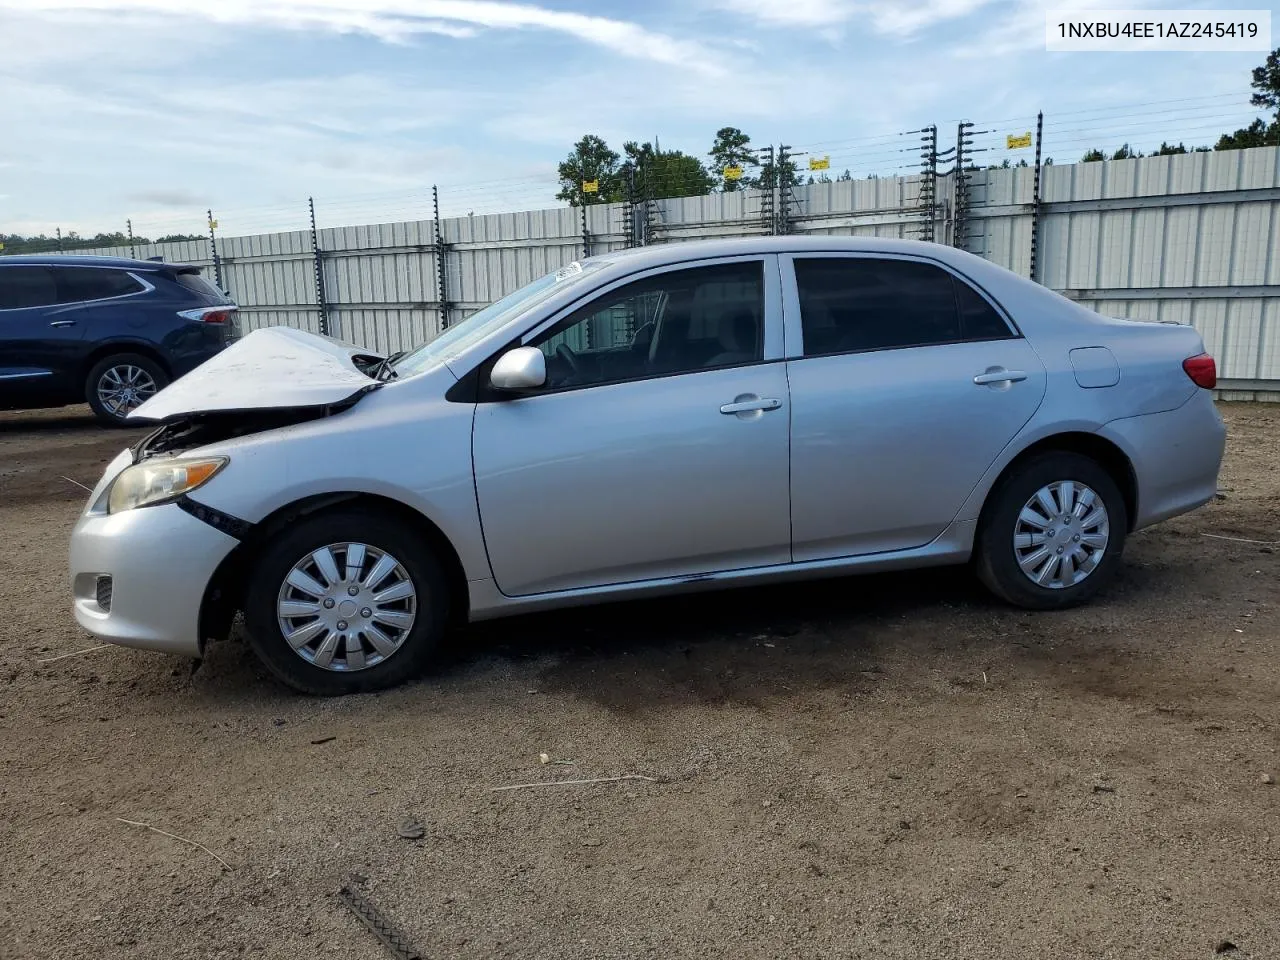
[396,20]
[893,17]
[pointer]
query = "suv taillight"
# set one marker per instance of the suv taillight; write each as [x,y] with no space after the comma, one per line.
[210,314]
[1202,370]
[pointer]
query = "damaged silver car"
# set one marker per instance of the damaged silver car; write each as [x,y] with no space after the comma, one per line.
[681,417]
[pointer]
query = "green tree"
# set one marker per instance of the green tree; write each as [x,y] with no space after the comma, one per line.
[732,148]
[1093,156]
[1266,81]
[591,159]
[773,172]
[1257,134]
[664,173]
[847,175]
[1125,153]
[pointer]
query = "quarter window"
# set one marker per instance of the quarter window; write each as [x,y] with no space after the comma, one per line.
[674,322]
[26,287]
[852,304]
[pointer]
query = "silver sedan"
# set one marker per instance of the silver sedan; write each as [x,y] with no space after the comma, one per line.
[675,418]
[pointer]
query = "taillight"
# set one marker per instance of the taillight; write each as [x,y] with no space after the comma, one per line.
[209,314]
[1202,371]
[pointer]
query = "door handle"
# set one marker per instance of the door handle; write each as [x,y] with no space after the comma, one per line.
[750,405]
[62,323]
[999,376]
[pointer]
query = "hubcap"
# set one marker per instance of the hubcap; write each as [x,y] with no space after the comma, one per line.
[1061,534]
[346,607]
[124,388]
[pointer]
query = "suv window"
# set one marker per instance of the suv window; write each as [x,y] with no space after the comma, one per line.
[26,287]
[674,322]
[852,304]
[76,284]
[198,284]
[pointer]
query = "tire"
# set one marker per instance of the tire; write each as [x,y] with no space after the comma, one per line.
[419,623]
[141,376]
[996,557]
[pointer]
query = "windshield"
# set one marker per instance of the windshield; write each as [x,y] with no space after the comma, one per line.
[480,324]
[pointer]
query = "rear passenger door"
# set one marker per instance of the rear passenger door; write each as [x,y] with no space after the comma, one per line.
[906,383]
[39,337]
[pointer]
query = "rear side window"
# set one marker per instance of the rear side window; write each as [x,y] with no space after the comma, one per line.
[26,287]
[853,304]
[199,285]
[76,284]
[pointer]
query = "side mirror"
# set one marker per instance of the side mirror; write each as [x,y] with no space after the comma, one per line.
[520,369]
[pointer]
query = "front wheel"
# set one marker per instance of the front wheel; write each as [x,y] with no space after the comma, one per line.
[118,385]
[1053,532]
[346,602]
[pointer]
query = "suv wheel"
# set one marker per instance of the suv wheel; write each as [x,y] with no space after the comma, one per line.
[119,384]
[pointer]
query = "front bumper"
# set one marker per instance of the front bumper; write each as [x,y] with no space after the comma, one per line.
[160,560]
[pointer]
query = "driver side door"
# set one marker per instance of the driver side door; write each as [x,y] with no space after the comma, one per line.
[645,455]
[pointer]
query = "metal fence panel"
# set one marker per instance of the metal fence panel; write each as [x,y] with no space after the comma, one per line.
[1148,238]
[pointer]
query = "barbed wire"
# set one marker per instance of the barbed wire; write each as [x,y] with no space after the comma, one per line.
[1195,122]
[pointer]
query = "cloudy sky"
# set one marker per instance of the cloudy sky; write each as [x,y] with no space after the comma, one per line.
[158,109]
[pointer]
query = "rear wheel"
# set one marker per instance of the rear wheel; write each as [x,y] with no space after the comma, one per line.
[1053,532]
[119,384]
[346,602]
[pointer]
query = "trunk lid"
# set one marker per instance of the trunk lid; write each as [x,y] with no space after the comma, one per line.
[275,368]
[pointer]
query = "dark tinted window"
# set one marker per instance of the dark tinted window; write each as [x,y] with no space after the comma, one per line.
[850,304]
[978,319]
[26,287]
[674,322]
[93,283]
[199,285]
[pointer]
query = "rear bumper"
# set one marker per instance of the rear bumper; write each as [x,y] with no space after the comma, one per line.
[160,560]
[1176,456]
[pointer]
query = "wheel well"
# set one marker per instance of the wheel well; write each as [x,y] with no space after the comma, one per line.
[112,349]
[224,596]
[1102,451]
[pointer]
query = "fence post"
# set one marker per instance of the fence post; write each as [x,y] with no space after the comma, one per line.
[767,219]
[1035,199]
[133,254]
[321,303]
[928,203]
[586,237]
[442,294]
[58,230]
[213,251]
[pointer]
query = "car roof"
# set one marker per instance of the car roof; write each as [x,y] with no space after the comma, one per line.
[666,253]
[86,260]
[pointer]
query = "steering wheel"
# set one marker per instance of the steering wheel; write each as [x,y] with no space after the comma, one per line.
[571,358]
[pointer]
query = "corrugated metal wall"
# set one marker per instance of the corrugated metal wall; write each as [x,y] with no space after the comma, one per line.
[1190,238]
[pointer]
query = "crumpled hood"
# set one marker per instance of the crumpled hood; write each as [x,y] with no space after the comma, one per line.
[275,367]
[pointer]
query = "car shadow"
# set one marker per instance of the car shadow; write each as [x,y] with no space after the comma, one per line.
[744,645]
[18,422]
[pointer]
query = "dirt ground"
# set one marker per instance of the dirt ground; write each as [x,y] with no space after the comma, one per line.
[890,766]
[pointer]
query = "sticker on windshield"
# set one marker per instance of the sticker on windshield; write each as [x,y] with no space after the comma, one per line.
[572,270]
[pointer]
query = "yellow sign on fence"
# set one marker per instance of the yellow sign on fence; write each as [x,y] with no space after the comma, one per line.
[590,186]
[213,224]
[733,173]
[1017,142]
[819,163]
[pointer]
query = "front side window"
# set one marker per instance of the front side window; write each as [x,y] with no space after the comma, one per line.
[76,284]
[674,322]
[854,304]
[26,287]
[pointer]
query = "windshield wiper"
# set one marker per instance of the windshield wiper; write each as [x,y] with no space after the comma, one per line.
[384,370]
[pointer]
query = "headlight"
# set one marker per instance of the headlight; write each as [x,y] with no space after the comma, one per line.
[156,482]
